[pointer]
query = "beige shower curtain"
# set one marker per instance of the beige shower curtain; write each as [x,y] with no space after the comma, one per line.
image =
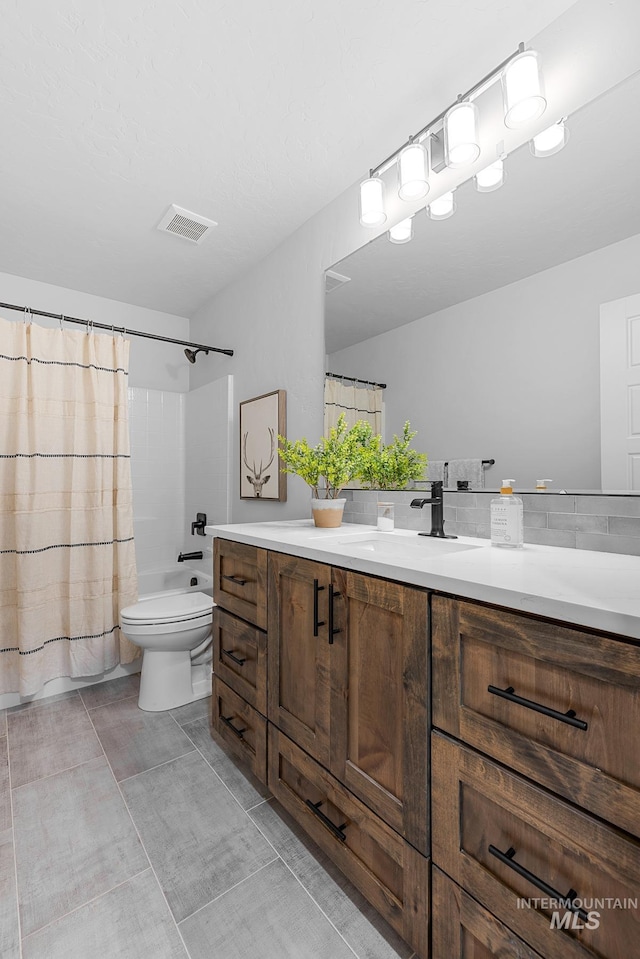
[67,562]
[356,400]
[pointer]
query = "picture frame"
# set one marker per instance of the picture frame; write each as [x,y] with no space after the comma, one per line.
[262,419]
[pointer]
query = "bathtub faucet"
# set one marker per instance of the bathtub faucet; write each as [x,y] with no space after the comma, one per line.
[196,555]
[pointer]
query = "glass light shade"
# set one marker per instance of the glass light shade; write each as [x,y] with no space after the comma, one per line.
[461,135]
[443,207]
[522,92]
[413,166]
[372,202]
[491,178]
[549,141]
[402,232]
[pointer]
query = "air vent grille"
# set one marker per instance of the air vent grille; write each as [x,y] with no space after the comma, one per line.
[333,280]
[184,223]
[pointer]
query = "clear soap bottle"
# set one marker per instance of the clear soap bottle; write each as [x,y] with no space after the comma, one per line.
[507,520]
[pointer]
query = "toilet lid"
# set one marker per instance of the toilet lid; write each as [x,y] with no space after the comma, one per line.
[168,608]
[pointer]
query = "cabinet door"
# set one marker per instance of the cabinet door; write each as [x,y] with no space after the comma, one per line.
[379,680]
[299,651]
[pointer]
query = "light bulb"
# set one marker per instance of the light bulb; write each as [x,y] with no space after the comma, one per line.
[549,141]
[413,164]
[523,97]
[461,135]
[402,232]
[372,202]
[443,207]
[491,178]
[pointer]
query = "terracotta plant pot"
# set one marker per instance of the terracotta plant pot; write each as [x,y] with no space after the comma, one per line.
[327,512]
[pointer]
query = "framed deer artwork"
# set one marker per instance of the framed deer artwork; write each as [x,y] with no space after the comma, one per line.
[262,419]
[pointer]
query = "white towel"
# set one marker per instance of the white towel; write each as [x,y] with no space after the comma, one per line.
[470,470]
[435,470]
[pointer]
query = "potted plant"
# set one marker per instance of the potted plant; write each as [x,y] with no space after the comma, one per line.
[327,467]
[392,466]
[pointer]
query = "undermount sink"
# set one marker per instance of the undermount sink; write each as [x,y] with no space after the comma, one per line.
[397,546]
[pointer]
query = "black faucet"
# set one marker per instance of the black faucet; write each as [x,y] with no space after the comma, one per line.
[183,556]
[436,501]
[199,525]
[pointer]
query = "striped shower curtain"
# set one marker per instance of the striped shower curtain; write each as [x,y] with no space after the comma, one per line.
[67,562]
[356,400]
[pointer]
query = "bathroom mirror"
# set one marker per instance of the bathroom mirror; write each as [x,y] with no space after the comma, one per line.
[486,326]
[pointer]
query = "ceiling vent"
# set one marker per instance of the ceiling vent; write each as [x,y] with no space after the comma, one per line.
[333,280]
[191,226]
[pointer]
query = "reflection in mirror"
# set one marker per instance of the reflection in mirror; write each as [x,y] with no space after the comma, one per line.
[486,326]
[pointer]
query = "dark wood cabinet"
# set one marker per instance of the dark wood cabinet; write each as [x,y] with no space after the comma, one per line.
[241,727]
[240,580]
[240,657]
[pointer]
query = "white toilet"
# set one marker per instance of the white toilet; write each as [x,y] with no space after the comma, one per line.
[174,629]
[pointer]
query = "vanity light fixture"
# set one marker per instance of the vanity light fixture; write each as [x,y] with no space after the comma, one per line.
[461,135]
[402,232]
[452,140]
[491,178]
[443,207]
[413,170]
[372,202]
[551,140]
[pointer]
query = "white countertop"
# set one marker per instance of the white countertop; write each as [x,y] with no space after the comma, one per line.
[588,588]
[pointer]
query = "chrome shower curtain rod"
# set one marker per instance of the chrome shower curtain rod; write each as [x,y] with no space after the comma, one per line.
[114,329]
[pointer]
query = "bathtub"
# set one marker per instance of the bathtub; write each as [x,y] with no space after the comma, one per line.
[175,579]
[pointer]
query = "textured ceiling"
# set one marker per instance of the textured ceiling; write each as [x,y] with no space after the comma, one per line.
[549,210]
[253,114]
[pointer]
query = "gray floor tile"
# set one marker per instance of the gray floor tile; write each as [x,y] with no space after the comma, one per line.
[197,837]
[192,711]
[270,916]
[111,691]
[135,740]
[45,701]
[74,841]
[49,739]
[357,921]
[234,774]
[5,791]
[9,929]
[3,722]
[130,921]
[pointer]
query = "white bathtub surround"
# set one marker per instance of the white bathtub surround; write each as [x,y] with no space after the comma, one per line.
[67,561]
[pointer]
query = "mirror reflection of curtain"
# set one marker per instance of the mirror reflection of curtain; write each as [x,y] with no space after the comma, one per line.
[67,560]
[356,400]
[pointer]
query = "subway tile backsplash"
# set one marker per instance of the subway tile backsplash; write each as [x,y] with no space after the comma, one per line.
[575,520]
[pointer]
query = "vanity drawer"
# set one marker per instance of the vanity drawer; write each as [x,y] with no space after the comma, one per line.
[463,929]
[240,657]
[390,873]
[481,809]
[240,580]
[594,758]
[242,728]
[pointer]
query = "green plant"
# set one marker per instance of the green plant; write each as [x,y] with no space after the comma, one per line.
[333,462]
[392,466]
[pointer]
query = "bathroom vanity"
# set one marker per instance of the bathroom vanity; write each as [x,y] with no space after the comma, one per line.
[457,726]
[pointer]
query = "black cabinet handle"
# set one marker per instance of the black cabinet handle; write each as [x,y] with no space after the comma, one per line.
[236,659]
[569,717]
[336,830]
[333,593]
[316,623]
[550,892]
[227,721]
[236,580]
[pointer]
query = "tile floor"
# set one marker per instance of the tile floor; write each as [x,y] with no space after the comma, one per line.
[133,835]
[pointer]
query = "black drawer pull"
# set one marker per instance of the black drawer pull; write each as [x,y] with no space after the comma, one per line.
[227,721]
[550,892]
[316,623]
[231,655]
[569,717]
[333,593]
[236,580]
[336,830]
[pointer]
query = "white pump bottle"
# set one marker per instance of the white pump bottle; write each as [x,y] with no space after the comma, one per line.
[507,520]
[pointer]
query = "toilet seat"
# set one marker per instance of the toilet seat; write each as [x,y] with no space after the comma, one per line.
[168,609]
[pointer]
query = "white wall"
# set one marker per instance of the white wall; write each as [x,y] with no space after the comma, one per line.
[511,375]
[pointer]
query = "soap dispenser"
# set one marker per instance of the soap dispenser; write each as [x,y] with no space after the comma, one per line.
[507,523]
